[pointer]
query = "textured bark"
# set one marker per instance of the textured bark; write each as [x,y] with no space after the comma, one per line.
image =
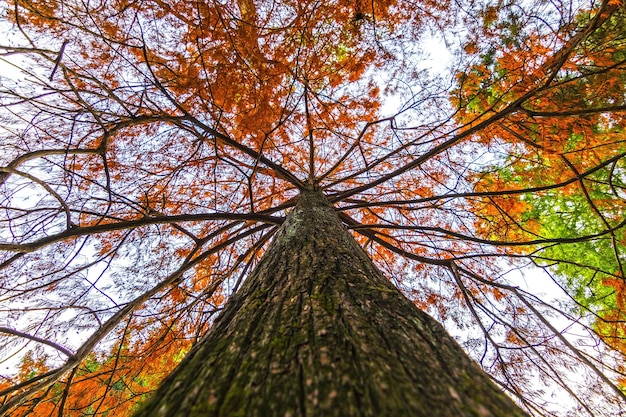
[316,330]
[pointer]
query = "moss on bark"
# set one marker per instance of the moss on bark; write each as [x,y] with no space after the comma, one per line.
[316,330]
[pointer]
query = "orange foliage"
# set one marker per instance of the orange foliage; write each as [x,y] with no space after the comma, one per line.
[612,324]
[115,381]
[545,96]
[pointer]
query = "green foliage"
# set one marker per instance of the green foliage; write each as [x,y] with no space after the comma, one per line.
[583,265]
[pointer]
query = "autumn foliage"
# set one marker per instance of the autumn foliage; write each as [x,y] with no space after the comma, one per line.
[151,149]
[568,149]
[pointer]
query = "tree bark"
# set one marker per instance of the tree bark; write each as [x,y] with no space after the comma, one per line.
[316,330]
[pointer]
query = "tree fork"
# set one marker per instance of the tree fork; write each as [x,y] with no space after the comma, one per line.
[316,330]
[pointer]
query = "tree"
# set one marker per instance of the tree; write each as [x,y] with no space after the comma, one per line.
[317,314]
[153,150]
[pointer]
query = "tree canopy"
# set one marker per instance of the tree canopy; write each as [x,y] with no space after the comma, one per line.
[151,149]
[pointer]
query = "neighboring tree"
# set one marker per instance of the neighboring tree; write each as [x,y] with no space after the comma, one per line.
[580,144]
[152,150]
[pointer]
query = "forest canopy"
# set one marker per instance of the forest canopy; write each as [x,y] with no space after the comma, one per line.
[151,150]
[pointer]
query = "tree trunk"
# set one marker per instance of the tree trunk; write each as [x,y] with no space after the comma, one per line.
[316,330]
